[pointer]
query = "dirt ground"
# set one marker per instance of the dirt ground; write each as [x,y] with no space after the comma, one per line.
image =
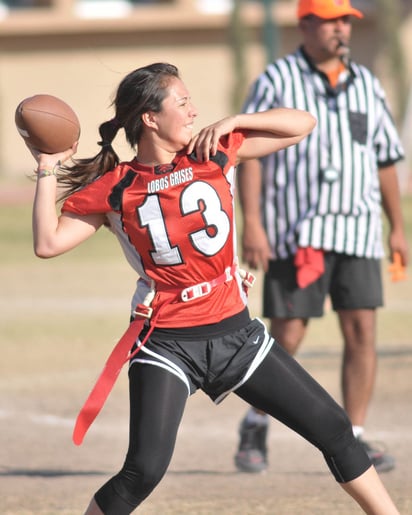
[43,473]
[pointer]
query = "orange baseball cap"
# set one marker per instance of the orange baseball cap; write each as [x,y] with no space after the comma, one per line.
[327,9]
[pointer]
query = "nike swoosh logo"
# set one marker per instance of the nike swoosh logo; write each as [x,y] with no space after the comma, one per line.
[256,341]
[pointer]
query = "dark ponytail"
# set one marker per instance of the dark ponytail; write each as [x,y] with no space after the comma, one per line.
[85,171]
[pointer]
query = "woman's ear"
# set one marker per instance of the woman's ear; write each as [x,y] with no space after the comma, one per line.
[149,119]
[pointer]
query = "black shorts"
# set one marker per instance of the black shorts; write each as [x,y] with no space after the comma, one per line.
[351,283]
[217,365]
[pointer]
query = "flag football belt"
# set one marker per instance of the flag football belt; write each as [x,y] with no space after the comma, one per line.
[121,352]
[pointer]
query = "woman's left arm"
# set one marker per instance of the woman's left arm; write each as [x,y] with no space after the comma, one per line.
[268,131]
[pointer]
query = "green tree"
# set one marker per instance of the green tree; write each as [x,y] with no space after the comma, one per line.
[238,40]
[389,23]
[239,37]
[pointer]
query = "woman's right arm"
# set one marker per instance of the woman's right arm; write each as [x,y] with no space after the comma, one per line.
[52,234]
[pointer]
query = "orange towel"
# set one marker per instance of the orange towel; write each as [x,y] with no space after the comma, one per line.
[310,265]
[396,269]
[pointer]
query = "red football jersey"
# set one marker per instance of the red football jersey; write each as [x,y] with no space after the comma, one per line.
[178,220]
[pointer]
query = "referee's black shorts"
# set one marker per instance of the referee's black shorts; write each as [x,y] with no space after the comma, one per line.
[351,282]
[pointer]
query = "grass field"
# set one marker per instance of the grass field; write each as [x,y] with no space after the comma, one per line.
[59,320]
[93,284]
[81,299]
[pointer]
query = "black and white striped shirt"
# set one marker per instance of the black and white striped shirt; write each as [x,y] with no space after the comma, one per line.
[324,192]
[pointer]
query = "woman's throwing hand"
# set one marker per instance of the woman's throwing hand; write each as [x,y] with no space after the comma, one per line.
[52,161]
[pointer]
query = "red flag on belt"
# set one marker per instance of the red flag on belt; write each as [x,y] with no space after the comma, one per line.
[106,380]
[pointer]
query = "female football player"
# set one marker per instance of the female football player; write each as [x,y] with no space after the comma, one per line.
[172,209]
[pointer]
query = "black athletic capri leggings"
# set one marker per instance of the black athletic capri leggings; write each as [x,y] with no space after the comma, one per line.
[280,387]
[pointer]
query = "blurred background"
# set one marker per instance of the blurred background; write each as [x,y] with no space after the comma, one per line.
[79,50]
[60,318]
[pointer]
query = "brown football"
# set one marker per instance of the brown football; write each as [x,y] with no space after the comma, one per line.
[47,123]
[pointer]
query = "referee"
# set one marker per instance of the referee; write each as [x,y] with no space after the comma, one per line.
[312,212]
